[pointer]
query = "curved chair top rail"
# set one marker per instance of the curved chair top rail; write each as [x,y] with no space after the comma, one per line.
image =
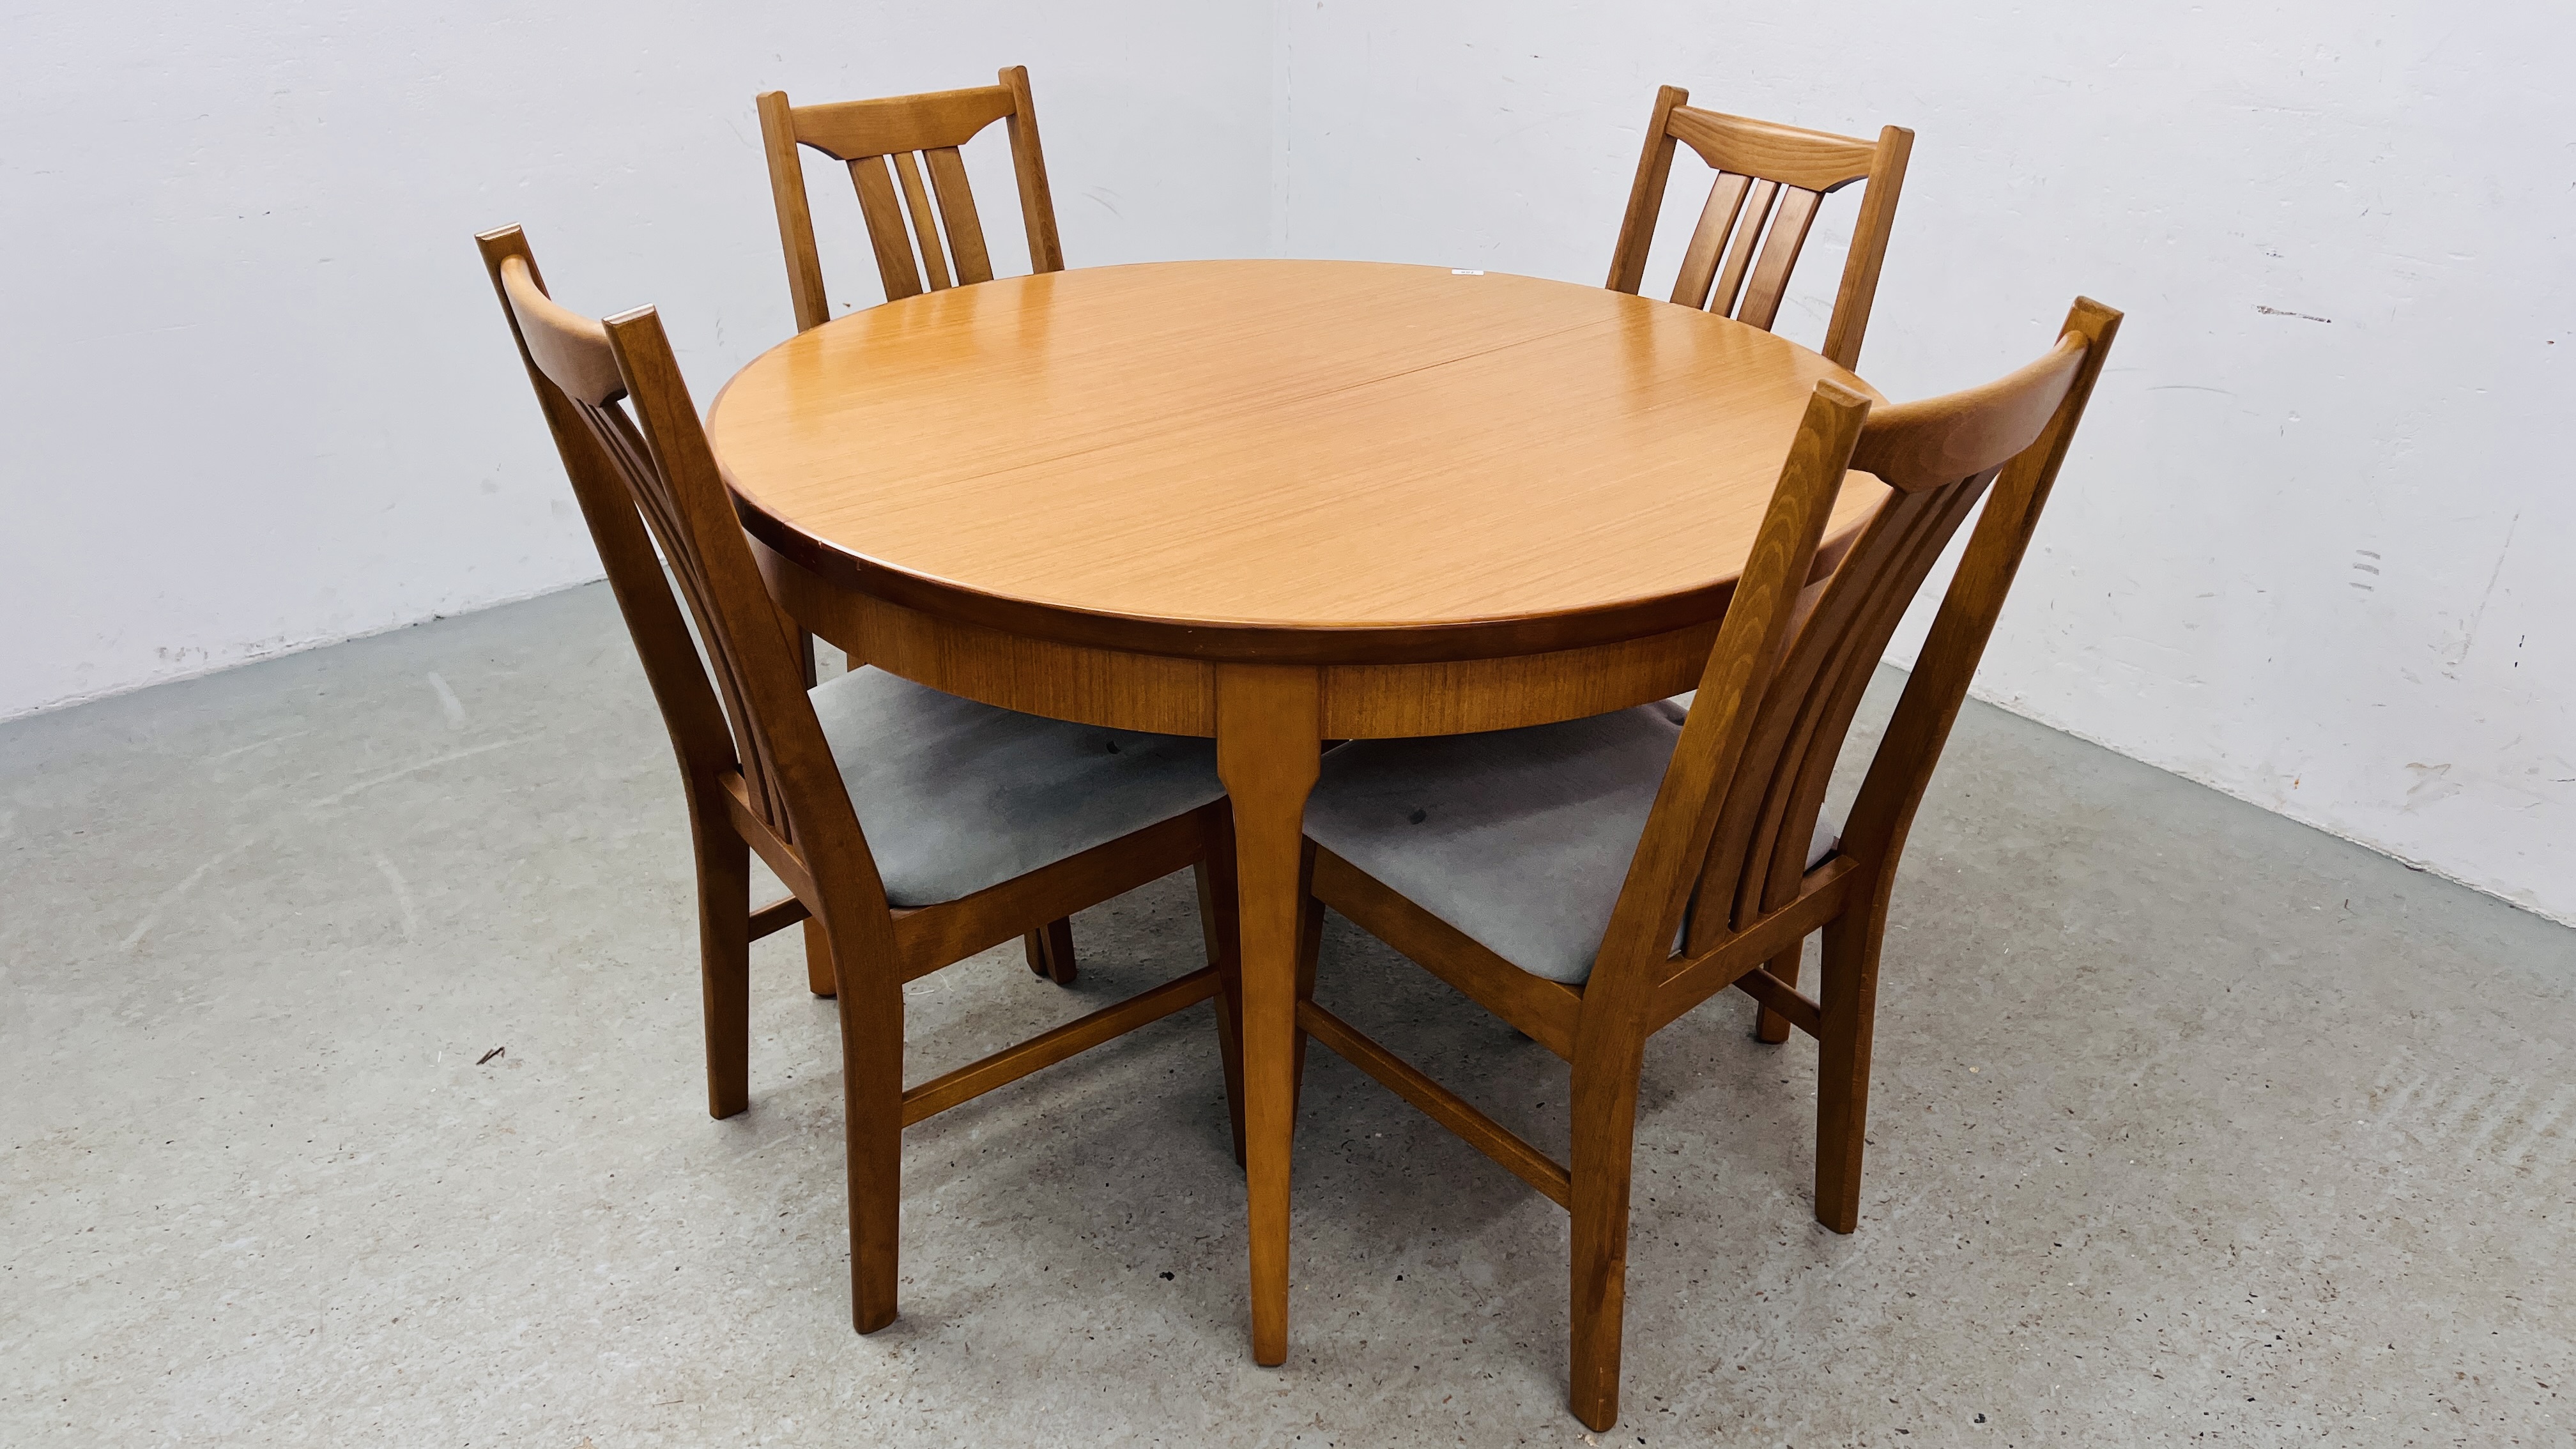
[1938,440]
[856,130]
[1817,161]
[570,349]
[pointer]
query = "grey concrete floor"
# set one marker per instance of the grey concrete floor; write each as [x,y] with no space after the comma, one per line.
[2191,1125]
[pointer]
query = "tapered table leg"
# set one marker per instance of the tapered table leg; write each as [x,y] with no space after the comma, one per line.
[1268,746]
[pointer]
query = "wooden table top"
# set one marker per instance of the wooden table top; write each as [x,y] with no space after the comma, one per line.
[1289,460]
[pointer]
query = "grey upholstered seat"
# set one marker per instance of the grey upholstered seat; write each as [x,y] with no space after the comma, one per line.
[1519,838]
[956,796]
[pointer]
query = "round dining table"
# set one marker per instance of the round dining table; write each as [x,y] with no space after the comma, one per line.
[1276,503]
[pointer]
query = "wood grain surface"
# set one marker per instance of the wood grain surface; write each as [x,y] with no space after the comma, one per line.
[1282,461]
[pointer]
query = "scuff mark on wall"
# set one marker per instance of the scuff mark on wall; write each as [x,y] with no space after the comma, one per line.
[2432,783]
[2469,635]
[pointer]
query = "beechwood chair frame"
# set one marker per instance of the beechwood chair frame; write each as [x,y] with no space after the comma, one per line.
[1770,181]
[761,778]
[1725,846]
[870,135]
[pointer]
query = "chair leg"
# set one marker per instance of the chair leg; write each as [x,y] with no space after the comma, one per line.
[724,965]
[1770,1026]
[1605,1124]
[1223,932]
[872,1123]
[1050,950]
[1842,1064]
[805,658]
[1310,945]
[818,959]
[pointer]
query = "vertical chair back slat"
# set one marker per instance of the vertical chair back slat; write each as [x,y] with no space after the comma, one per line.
[616,435]
[1781,243]
[920,232]
[886,233]
[957,204]
[1708,240]
[1742,818]
[925,226]
[1739,248]
[1795,792]
[649,495]
[799,783]
[1758,617]
[1769,185]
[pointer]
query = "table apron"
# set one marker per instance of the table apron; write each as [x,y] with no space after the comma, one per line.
[1119,689]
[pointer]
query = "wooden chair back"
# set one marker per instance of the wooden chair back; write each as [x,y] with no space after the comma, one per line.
[1726,840]
[645,478]
[912,134]
[1770,181]
[1768,752]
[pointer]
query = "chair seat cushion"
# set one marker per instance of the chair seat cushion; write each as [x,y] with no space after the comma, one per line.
[956,796]
[1519,838]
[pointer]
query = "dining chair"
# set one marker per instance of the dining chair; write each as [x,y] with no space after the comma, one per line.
[1592,881]
[1770,181]
[870,135]
[981,823]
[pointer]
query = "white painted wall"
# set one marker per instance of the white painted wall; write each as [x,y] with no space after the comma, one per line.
[2319,564]
[255,394]
[254,391]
